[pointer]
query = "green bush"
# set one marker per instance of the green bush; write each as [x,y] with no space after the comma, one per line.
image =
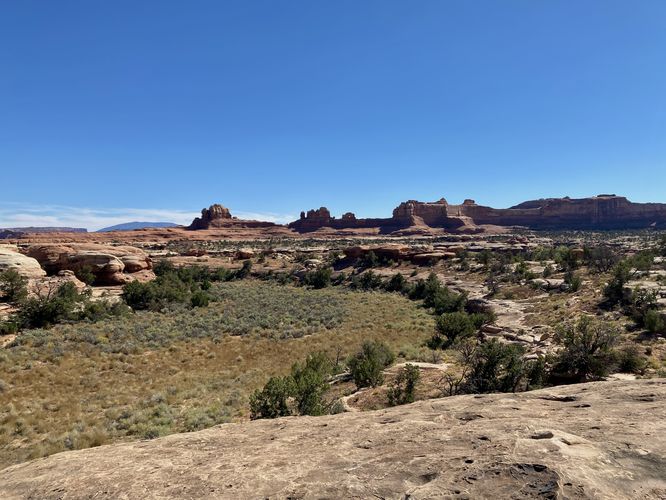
[321,278]
[615,291]
[101,309]
[271,401]
[45,310]
[495,367]
[85,274]
[244,271]
[403,388]
[307,384]
[199,299]
[654,321]
[367,281]
[13,286]
[8,327]
[367,365]
[437,296]
[451,328]
[369,260]
[573,280]
[310,383]
[588,351]
[184,285]
[600,259]
[397,283]
[630,360]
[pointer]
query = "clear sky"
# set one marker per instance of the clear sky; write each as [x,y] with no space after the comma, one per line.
[126,109]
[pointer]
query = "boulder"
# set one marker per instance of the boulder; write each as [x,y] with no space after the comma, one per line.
[50,283]
[24,265]
[245,253]
[110,265]
[427,258]
[392,252]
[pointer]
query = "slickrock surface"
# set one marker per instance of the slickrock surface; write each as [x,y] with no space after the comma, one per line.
[600,440]
[25,266]
[111,265]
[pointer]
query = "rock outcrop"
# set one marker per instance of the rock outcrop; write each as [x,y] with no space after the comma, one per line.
[217,216]
[210,217]
[600,440]
[600,212]
[24,265]
[111,265]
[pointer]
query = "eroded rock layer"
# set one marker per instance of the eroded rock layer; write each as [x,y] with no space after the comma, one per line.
[599,212]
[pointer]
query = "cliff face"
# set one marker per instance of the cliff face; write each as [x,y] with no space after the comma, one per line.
[599,212]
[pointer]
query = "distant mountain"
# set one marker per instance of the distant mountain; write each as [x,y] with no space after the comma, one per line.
[46,229]
[130,226]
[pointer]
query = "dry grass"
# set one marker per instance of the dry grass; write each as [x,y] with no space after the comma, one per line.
[84,385]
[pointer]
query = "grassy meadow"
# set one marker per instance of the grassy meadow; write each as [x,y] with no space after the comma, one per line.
[154,373]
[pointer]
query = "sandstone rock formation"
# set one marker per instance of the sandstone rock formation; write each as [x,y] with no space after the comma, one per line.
[217,216]
[25,266]
[600,440]
[598,212]
[111,265]
[210,217]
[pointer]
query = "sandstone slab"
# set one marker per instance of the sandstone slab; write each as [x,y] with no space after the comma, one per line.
[604,440]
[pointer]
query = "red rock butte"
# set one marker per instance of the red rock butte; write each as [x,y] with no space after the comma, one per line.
[605,211]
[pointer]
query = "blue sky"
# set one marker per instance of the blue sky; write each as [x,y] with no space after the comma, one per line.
[111,111]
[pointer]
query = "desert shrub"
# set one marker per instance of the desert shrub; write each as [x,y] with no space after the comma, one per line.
[653,321]
[184,285]
[565,258]
[484,257]
[641,261]
[13,286]
[85,274]
[437,296]
[139,295]
[588,351]
[496,367]
[367,365]
[630,360]
[601,258]
[310,383]
[536,373]
[8,327]
[522,272]
[163,267]
[101,309]
[321,278]
[244,271]
[271,401]
[615,291]
[573,280]
[548,271]
[47,309]
[397,283]
[366,281]
[451,328]
[369,260]
[199,299]
[403,388]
